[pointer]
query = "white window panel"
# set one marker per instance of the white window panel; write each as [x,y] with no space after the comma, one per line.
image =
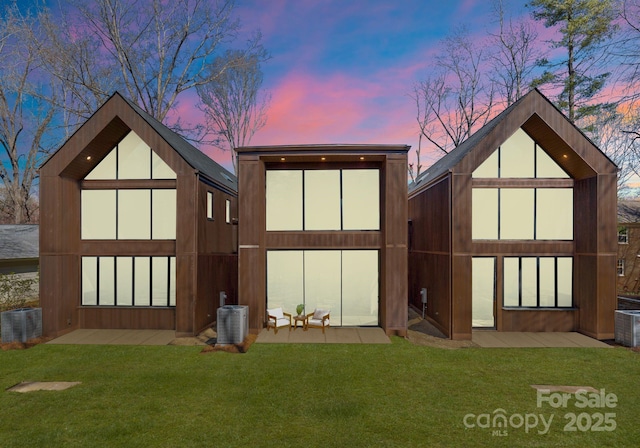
[106,274]
[547,167]
[285,279]
[482,291]
[517,156]
[163,214]
[547,274]
[159,169]
[134,158]
[360,199]
[106,169]
[511,290]
[227,211]
[359,287]
[284,199]
[134,214]
[98,214]
[322,282]
[529,281]
[554,214]
[209,205]
[565,281]
[89,280]
[124,271]
[142,271]
[172,281]
[322,200]
[484,214]
[488,168]
[516,213]
[159,281]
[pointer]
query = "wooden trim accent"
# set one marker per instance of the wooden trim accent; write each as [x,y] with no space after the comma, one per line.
[522,183]
[117,184]
[128,248]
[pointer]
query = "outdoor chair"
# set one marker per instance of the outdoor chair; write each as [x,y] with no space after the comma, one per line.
[277,318]
[318,319]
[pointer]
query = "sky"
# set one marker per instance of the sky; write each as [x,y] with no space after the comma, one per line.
[341,71]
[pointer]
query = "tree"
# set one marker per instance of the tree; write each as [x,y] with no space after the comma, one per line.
[584,25]
[456,99]
[515,57]
[626,49]
[232,103]
[25,118]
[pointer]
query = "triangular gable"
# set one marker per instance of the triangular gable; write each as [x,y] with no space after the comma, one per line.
[565,144]
[113,121]
[131,158]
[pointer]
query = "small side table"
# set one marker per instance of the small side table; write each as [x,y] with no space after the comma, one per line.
[302,319]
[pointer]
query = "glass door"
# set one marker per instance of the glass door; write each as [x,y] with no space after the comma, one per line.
[483,292]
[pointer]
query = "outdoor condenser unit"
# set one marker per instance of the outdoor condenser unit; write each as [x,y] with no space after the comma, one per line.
[233,324]
[627,327]
[21,325]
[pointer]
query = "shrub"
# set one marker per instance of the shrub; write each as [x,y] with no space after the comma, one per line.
[15,291]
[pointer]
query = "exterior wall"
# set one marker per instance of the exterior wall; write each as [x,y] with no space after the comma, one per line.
[390,240]
[429,253]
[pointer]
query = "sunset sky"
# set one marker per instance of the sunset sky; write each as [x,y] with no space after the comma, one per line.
[341,71]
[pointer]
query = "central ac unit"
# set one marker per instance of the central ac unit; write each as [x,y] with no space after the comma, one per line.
[627,327]
[233,324]
[21,325]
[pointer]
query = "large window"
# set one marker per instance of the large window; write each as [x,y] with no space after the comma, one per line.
[344,281]
[538,282]
[323,199]
[129,281]
[128,214]
[132,158]
[519,157]
[522,213]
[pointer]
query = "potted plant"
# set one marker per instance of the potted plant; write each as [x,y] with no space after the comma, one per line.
[300,309]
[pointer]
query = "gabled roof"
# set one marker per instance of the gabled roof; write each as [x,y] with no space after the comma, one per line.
[92,143]
[19,241]
[544,122]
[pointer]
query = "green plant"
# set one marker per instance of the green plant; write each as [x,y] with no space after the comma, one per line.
[300,309]
[15,291]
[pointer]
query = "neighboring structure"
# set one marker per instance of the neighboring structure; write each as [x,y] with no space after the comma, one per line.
[326,226]
[136,228]
[515,229]
[628,266]
[19,249]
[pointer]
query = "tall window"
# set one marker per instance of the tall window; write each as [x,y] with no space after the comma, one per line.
[129,281]
[129,214]
[533,211]
[209,205]
[538,282]
[323,199]
[343,281]
[620,267]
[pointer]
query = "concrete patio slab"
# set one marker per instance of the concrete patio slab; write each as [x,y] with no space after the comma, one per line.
[116,337]
[505,339]
[355,335]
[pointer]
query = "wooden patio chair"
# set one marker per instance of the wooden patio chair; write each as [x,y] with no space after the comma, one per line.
[277,318]
[319,319]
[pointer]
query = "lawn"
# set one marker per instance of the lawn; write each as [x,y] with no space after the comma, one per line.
[329,395]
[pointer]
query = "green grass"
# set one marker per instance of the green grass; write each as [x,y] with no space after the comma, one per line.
[396,395]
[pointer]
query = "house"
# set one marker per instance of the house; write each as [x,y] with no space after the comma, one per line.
[19,249]
[324,226]
[136,228]
[628,265]
[515,229]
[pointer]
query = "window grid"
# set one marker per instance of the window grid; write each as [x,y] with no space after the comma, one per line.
[538,284]
[166,291]
[620,267]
